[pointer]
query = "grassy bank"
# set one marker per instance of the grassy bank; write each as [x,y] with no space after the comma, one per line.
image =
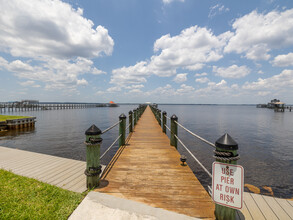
[25,198]
[7,117]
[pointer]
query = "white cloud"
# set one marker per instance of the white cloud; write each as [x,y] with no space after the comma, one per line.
[135,86]
[50,29]
[190,50]
[217,9]
[180,78]
[130,75]
[185,89]
[55,73]
[29,83]
[260,72]
[114,89]
[81,82]
[200,74]
[202,80]
[256,34]
[282,81]
[233,71]
[170,1]
[283,60]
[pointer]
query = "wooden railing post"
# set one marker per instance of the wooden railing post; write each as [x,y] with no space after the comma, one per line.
[159,118]
[174,131]
[130,121]
[122,127]
[134,116]
[226,144]
[93,168]
[164,114]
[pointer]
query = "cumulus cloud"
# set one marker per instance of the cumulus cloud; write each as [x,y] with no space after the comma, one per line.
[256,34]
[284,80]
[190,50]
[283,60]
[55,73]
[233,71]
[202,80]
[29,83]
[180,78]
[50,29]
[57,40]
[200,74]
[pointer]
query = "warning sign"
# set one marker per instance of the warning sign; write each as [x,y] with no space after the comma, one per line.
[228,184]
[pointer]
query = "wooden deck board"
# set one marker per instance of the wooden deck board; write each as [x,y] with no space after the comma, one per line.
[275,206]
[149,171]
[63,172]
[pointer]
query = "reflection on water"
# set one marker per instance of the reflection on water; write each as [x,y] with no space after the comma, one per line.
[10,134]
[264,137]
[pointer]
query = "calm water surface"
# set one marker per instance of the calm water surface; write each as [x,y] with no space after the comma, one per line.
[265,138]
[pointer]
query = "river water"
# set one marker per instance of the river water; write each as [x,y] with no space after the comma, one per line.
[265,138]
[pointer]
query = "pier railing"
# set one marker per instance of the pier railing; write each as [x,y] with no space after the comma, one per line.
[94,141]
[225,151]
[18,107]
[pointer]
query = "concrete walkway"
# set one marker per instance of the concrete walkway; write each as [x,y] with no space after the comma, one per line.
[102,206]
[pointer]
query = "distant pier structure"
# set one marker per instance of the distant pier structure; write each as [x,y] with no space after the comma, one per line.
[277,105]
[35,105]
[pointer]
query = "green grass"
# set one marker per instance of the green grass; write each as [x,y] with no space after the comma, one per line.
[7,117]
[26,198]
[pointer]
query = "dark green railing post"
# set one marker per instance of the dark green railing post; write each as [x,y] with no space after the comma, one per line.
[164,114]
[159,117]
[130,122]
[137,115]
[134,116]
[226,144]
[174,130]
[93,168]
[122,127]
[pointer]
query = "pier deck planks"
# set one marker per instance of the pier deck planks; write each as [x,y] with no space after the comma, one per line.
[62,172]
[148,170]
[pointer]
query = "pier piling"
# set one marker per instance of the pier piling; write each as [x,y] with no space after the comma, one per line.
[93,167]
[226,152]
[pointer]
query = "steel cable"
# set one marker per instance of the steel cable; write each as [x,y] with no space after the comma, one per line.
[103,132]
[195,135]
[110,146]
[202,166]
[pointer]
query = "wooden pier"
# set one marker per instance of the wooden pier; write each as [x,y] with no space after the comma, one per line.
[149,170]
[17,107]
[146,169]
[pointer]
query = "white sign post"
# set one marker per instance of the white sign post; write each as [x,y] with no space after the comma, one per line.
[228,185]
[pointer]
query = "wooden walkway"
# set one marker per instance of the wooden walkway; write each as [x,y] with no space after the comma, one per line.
[148,170]
[260,207]
[62,172]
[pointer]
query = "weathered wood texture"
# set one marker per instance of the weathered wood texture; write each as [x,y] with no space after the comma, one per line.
[61,172]
[149,170]
[257,206]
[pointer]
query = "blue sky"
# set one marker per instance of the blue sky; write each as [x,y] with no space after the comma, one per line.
[163,51]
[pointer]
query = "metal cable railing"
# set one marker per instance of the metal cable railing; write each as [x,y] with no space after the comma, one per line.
[195,135]
[167,117]
[202,166]
[108,129]
[168,128]
[110,146]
